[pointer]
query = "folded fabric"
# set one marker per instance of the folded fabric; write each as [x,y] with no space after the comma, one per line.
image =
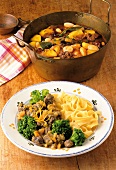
[13,59]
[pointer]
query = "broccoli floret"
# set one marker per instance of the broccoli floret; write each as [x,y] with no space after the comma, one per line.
[62,127]
[37,95]
[78,137]
[26,126]
[44,92]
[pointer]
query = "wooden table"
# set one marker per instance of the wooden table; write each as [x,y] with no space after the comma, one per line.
[103,157]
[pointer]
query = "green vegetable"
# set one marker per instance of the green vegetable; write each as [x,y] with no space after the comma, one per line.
[78,137]
[37,95]
[26,126]
[62,127]
[45,45]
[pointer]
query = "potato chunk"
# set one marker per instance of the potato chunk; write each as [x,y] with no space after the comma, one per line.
[47,31]
[90,31]
[36,38]
[49,53]
[76,33]
[56,48]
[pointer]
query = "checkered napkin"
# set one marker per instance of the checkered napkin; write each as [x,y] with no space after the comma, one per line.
[13,59]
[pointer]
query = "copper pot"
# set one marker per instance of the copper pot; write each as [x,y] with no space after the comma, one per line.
[78,69]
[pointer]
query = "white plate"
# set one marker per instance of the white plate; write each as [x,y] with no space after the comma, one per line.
[9,112]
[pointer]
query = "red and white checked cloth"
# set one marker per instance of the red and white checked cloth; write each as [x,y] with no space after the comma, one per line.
[13,59]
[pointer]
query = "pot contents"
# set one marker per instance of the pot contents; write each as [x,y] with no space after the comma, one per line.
[57,120]
[67,41]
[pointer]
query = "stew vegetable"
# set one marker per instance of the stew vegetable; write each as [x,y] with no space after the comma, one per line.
[67,41]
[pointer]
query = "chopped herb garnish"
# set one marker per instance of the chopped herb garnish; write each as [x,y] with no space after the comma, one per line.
[57,89]
[94,102]
[31,144]
[92,138]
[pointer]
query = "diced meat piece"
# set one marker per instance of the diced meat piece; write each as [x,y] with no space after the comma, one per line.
[28,113]
[47,129]
[40,124]
[21,106]
[92,37]
[52,118]
[38,140]
[68,143]
[65,55]
[49,99]
[57,114]
[48,140]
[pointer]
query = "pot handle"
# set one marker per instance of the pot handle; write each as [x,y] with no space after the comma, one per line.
[22,22]
[108,15]
[22,44]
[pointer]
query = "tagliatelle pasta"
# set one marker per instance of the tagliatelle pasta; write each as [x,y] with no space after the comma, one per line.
[79,111]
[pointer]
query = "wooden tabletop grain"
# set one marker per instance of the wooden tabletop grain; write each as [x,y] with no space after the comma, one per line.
[103,157]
